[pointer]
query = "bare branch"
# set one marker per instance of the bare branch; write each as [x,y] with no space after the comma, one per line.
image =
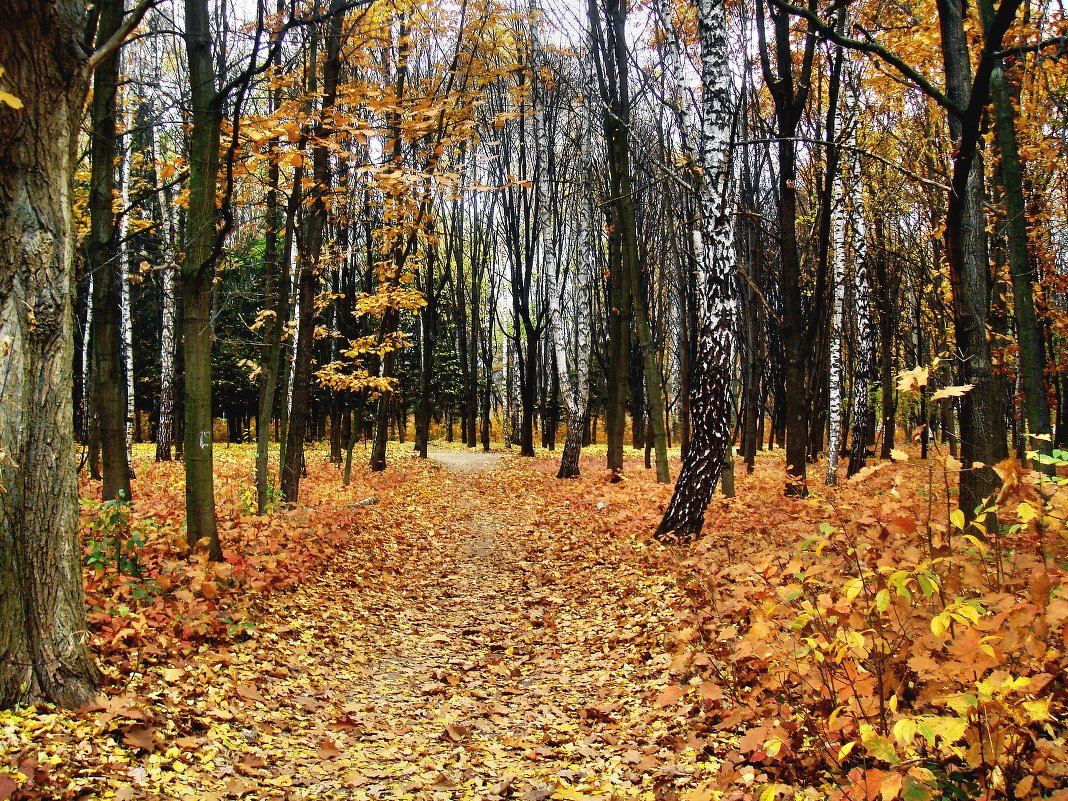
[106,50]
[828,32]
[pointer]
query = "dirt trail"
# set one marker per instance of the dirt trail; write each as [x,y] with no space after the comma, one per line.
[478,673]
[472,460]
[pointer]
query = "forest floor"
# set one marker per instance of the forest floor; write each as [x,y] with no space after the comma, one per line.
[457,646]
[470,627]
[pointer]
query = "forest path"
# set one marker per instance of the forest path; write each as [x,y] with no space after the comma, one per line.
[495,664]
[466,459]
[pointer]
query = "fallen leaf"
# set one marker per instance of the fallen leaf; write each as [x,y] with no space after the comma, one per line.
[140,735]
[328,749]
[670,695]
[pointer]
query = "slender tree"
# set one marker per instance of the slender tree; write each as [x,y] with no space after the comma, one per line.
[712,370]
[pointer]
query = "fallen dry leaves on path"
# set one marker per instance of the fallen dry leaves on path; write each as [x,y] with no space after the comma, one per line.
[456,639]
[497,633]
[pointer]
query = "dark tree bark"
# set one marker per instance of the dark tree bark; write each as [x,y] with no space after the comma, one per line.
[103,258]
[43,630]
[310,254]
[1022,269]
[790,94]
[276,277]
[198,275]
[982,421]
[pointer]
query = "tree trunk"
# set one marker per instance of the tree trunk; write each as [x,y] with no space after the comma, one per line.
[710,385]
[43,640]
[301,386]
[982,422]
[864,356]
[103,259]
[300,406]
[834,392]
[1028,333]
[198,276]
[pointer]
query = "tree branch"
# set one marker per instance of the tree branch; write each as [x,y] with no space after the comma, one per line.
[106,50]
[828,32]
[1060,42]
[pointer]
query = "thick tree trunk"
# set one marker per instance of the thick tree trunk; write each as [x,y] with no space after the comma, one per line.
[982,421]
[43,630]
[301,387]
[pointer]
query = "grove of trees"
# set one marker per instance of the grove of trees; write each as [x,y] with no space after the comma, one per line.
[725,227]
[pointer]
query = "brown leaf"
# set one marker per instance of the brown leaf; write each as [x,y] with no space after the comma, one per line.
[504,786]
[250,693]
[236,788]
[7,787]
[140,735]
[328,749]
[457,732]
[671,695]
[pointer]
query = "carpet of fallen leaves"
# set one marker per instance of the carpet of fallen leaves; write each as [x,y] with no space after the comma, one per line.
[459,637]
[473,628]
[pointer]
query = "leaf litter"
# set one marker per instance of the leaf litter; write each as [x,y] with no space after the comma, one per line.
[468,636]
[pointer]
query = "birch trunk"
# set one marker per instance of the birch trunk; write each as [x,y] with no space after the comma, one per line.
[165,429]
[838,243]
[864,355]
[711,373]
[125,312]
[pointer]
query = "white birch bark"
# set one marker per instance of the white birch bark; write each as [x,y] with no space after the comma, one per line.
[87,351]
[838,246]
[711,379]
[165,430]
[574,371]
[126,320]
[865,322]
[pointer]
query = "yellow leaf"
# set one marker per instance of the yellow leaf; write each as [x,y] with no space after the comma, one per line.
[1026,512]
[10,99]
[853,588]
[899,455]
[939,624]
[843,752]
[571,795]
[905,730]
[912,380]
[956,517]
[1037,710]
[882,599]
[952,392]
